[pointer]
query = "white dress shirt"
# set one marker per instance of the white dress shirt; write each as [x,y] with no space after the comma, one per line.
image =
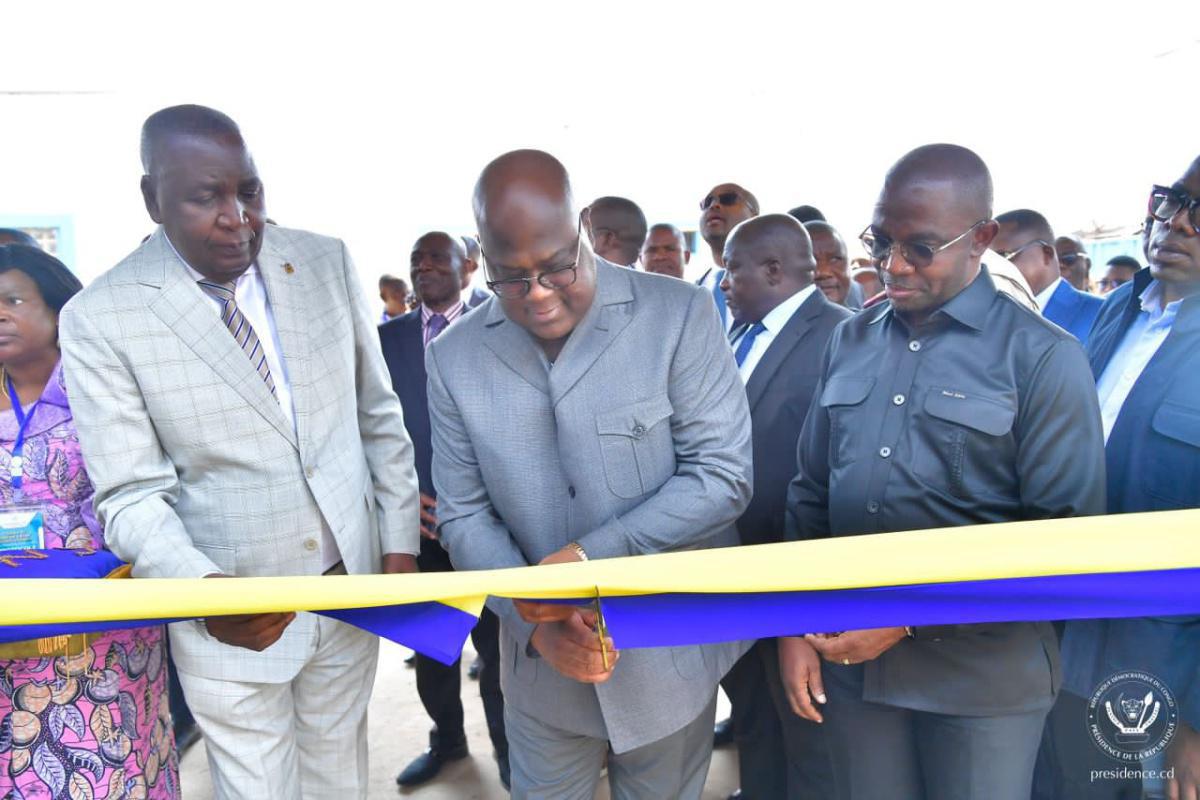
[774,322]
[1147,333]
[1044,295]
[250,294]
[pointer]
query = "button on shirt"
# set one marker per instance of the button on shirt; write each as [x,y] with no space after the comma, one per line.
[773,322]
[250,294]
[1145,335]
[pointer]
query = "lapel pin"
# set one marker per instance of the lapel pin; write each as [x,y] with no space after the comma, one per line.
[288,268]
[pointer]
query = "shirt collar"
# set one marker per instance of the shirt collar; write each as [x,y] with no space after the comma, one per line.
[1151,303]
[969,307]
[452,313]
[778,317]
[1043,297]
[196,276]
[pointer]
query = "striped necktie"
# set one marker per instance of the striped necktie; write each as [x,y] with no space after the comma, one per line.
[747,341]
[241,329]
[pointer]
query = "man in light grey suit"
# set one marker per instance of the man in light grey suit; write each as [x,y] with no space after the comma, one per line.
[560,435]
[237,420]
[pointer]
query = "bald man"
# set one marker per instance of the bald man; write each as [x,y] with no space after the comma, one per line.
[833,266]
[617,229]
[948,404]
[783,323]
[665,251]
[1074,261]
[558,436]
[720,212]
[1024,239]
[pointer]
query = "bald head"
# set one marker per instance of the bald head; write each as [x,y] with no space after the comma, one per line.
[522,193]
[1073,261]
[1025,238]
[665,250]
[617,228]
[184,121]
[767,260]
[949,167]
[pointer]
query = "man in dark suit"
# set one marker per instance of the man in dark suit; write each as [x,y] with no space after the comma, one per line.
[782,323]
[1025,239]
[437,271]
[1145,354]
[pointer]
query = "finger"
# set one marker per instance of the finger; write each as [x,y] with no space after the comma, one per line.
[816,685]
[830,649]
[429,533]
[805,707]
[1188,790]
[1172,789]
[543,612]
[427,518]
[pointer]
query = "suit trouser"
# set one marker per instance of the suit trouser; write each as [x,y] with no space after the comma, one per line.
[552,764]
[883,752]
[762,760]
[806,743]
[440,688]
[302,739]
[1068,757]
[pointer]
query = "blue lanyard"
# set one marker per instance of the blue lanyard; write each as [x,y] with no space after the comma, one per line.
[18,462]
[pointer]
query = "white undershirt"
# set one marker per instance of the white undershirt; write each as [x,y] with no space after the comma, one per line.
[1044,295]
[774,322]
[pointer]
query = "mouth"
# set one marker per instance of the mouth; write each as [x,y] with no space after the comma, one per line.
[714,219]
[544,315]
[1168,248]
[899,292]
[233,248]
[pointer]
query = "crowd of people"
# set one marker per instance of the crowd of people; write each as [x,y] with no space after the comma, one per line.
[222,404]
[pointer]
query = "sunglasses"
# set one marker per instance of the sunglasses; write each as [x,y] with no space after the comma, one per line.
[1009,255]
[1070,258]
[1167,201]
[917,254]
[724,198]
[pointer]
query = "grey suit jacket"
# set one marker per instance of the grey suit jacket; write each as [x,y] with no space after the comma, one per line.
[636,441]
[195,466]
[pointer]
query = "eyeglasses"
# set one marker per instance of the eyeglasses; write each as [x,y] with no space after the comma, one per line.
[1070,258]
[1009,255]
[918,254]
[556,278]
[724,198]
[1108,284]
[1167,201]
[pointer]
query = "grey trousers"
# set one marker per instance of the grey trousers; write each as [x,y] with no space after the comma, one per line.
[551,764]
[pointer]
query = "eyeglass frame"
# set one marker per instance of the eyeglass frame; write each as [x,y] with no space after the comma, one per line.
[542,276]
[711,198]
[867,235]
[1192,205]
[1016,251]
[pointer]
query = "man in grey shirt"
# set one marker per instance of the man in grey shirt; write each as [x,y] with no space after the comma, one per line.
[949,404]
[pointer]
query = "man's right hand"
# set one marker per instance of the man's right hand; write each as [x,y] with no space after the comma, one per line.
[800,671]
[573,648]
[251,631]
[429,517]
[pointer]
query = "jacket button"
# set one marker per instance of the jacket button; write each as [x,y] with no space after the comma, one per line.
[914,346]
[639,431]
[310,544]
[571,491]
[898,400]
[309,472]
[872,507]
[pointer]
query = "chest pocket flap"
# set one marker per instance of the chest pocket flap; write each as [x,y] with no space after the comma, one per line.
[845,391]
[984,414]
[1179,422]
[636,419]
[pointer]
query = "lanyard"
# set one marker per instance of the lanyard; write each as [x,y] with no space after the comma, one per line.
[18,462]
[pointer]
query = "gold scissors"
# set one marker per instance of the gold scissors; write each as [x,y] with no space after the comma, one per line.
[601,629]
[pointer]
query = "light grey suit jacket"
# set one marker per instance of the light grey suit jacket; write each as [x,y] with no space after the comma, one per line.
[195,466]
[636,441]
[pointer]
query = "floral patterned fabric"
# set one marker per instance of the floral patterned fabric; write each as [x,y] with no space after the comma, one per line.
[92,725]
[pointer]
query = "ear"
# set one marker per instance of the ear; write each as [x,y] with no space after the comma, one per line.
[984,235]
[150,198]
[687,257]
[587,225]
[773,272]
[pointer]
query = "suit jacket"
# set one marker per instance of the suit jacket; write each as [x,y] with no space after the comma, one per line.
[636,441]
[779,392]
[478,297]
[403,343]
[1153,461]
[195,466]
[1072,310]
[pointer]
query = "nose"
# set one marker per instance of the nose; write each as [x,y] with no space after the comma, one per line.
[233,214]
[725,284]
[1182,222]
[538,293]
[894,262]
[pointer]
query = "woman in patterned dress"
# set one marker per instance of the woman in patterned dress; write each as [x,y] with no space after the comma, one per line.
[93,724]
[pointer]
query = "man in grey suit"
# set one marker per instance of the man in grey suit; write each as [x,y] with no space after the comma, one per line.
[559,436]
[782,323]
[237,420]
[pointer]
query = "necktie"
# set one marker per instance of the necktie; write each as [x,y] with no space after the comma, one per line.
[719,295]
[437,324]
[240,327]
[747,341]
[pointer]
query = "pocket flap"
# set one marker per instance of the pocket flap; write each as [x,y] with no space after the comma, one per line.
[845,391]
[1178,422]
[635,419]
[987,415]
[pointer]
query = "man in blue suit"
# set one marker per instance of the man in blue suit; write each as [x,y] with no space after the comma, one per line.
[1145,354]
[437,264]
[1025,239]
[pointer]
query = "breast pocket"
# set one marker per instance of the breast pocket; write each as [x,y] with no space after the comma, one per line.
[842,399]
[1174,473]
[636,446]
[966,449]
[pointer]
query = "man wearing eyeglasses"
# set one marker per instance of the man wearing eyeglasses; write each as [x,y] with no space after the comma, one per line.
[558,436]
[1024,239]
[720,212]
[1145,354]
[949,404]
[1073,260]
[1117,272]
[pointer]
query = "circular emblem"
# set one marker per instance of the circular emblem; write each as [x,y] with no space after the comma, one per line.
[1132,716]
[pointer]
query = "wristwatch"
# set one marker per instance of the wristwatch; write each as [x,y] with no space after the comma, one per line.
[578,550]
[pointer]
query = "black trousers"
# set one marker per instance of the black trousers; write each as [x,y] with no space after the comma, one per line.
[1068,757]
[806,743]
[440,688]
[762,762]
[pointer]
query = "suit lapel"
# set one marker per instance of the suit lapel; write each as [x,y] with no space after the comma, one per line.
[611,311]
[286,285]
[184,308]
[788,339]
[514,346]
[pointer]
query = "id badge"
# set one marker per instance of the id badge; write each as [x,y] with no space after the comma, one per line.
[22,528]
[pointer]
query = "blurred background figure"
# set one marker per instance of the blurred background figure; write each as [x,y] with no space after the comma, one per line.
[617,229]
[472,295]
[1118,271]
[833,268]
[807,214]
[867,278]
[721,210]
[1073,260]
[393,291]
[665,251]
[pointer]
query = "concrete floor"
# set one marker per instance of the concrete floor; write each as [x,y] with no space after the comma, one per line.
[399,732]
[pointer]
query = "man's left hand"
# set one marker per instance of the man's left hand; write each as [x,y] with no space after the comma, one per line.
[1183,759]
[856,647]
[398,562]
[549,612]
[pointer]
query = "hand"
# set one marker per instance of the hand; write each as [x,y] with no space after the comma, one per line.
[395,563]
[251,631]
[1183,759]
[800,670]
[429,517]
[572,647]
[856,646]
[549,612]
